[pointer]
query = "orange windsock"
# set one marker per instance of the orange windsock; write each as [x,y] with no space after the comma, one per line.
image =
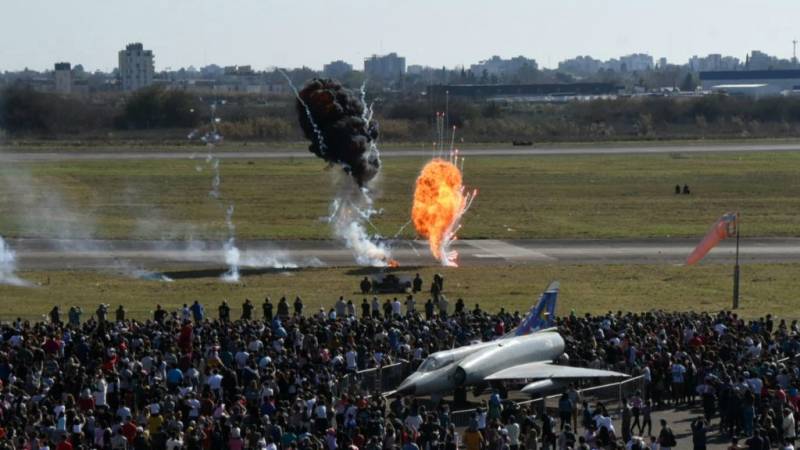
[723,228]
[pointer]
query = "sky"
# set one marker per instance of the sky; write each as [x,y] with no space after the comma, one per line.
[284,33]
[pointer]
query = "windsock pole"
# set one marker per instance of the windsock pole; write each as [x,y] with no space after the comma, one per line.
[736,270]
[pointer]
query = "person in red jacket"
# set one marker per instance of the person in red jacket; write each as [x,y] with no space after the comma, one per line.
[186,337]
[129,429]
[86,401]
[64,444]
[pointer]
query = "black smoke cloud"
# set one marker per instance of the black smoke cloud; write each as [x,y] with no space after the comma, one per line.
[342,135]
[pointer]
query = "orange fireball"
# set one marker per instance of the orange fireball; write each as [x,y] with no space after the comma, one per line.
[439,204]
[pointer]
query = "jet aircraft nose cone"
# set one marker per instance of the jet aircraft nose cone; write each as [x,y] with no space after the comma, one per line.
[407,387]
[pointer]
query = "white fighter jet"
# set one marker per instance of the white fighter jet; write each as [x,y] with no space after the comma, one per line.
[526,353]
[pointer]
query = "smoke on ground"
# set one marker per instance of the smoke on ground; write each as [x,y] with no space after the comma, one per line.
[8,266]
[350,212]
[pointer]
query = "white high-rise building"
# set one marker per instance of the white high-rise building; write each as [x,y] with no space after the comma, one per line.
[136,67]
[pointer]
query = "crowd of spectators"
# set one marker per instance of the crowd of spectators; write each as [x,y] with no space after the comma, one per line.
[742,374]
[272,379]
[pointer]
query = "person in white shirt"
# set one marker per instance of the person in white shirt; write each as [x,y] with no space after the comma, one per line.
[214,382]
[413,421]
[194,406]
[341,307]
[100,391]
[241,358]
[186,315]
[175,442]
[410,305]
[788,425]
[513,433]
[396,307]
[604,421]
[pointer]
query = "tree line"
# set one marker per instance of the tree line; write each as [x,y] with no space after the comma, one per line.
[153,111]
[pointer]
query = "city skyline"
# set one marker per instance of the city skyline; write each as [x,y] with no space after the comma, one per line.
[449,33]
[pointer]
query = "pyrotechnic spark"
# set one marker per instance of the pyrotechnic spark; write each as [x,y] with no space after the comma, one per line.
[440,202]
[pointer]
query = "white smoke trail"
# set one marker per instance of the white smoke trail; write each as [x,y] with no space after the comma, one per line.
[8,266]
[230,250]
[232,254]
[350,210]
[317,131]
[215,180]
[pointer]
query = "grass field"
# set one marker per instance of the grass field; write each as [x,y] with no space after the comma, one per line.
[526,197]
[585,288]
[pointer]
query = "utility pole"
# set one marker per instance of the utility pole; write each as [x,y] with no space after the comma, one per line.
[447,110]
[794,52]
[736,270]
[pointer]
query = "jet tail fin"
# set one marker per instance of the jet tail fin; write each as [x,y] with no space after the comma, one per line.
[542,315]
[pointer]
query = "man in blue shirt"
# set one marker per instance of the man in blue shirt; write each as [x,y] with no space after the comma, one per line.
[198,312]
[174,378]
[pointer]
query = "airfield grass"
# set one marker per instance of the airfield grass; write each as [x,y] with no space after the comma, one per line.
[609,196]
[766,288]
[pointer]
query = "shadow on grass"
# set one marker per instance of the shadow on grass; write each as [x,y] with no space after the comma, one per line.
[217,273]
[382,270]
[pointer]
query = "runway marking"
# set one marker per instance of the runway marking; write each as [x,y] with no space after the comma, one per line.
[505,250]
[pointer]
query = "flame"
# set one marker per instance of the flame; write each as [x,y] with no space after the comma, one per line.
[439,204]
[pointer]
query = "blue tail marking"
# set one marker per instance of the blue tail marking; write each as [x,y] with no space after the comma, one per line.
[543,313]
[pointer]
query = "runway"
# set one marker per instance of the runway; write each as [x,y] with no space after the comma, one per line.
[233,151]
[39,254]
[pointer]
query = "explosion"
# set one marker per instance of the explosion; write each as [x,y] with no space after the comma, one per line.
[439,204]
[340,128]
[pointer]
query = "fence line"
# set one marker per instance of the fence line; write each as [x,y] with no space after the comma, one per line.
[611,393]
[375,379]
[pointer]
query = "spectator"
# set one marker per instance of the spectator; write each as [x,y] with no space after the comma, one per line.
[666,438]
[298,306]
[366,286]
[247,310]
[699,427]
[266,309]
[416,284]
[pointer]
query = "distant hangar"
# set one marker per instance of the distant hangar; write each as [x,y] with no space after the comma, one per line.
[756,83]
